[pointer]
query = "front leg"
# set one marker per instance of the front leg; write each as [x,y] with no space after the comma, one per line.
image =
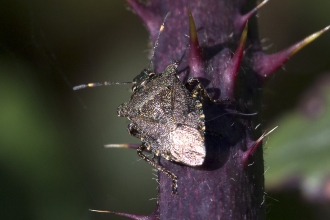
[200,91]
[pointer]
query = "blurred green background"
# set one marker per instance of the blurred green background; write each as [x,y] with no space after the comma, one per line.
[52,161]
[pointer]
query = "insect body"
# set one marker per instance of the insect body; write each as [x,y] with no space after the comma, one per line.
[167,117]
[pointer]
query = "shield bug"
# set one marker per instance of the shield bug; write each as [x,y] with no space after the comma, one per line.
[166,116]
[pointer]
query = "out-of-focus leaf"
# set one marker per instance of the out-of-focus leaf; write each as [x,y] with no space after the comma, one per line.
[298,153]
[37,179]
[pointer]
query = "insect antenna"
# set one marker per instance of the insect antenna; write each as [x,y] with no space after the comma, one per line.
[233,113]
[89,85]
[100,84]
[161,29]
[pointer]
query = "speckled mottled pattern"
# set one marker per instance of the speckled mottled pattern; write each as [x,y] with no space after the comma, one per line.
[166,117]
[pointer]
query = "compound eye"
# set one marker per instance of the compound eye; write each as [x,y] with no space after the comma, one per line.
[134,88]
[132,130]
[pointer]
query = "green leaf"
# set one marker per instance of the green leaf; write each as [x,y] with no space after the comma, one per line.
[300,148]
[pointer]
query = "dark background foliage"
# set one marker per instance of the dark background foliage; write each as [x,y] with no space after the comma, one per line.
[53,164]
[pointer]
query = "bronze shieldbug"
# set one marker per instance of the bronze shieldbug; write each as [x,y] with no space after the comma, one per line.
[166,116]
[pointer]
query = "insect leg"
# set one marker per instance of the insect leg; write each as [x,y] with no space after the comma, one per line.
[198,89]
[159,167]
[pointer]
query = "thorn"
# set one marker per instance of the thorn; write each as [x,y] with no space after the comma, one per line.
[255,145]
[195,55]
[295,48]
[244,18]
[132,216]
[150,19]
[234,64]
[265,64]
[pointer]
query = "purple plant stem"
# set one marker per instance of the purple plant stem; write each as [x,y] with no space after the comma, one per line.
[230,185]
[213,42]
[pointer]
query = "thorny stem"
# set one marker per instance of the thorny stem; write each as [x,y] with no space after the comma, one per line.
[230,183]
[223,188]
